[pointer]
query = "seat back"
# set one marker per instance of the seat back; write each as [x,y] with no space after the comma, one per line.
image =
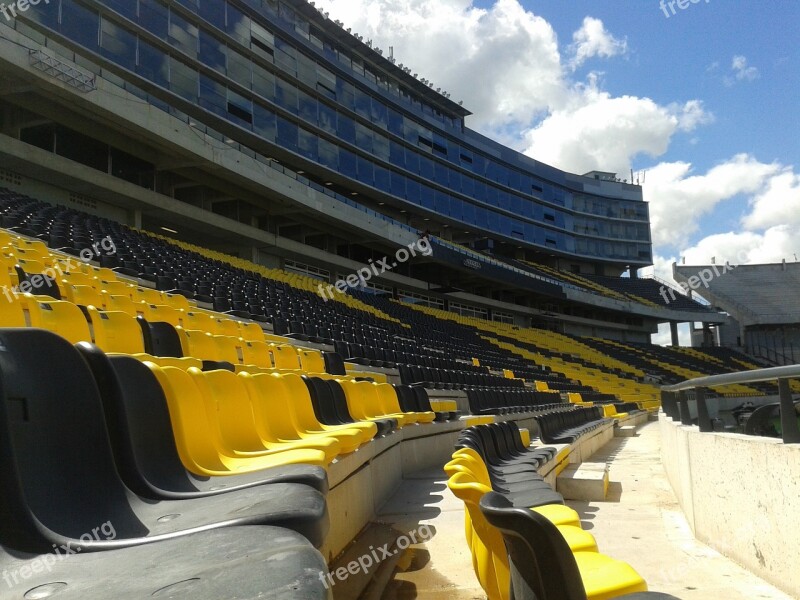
[488,551]
[541,562]
[58,477]
[59,316]
[228,406]
[269,396]
[116,332]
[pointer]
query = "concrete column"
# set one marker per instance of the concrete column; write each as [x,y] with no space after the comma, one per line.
[673,329]
[136,218]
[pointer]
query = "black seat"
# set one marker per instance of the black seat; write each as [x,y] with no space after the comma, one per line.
[140,431]
[59,479]
[243,561]
[541,564]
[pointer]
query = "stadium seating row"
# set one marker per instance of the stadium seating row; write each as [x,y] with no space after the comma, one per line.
[525,543]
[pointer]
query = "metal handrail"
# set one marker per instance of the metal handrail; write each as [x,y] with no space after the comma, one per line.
[675,400]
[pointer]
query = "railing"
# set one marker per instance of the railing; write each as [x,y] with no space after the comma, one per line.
[675,398]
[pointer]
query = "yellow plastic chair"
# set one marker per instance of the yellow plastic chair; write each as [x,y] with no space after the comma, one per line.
[280,394]
[116,332]
[364,404]
[228,404]
[58,316]
[194,437]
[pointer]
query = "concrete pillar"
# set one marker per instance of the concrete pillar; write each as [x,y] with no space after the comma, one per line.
[136,218]
[673,329]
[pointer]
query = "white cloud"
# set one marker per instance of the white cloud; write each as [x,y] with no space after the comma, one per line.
[741,71]
[592,39]
[679,199]
[778,203]
[525,96]
[504,62]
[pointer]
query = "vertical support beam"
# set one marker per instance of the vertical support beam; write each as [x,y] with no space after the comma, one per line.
[791,431]
[703,418]
[673,329]
[668,403]
[683,403]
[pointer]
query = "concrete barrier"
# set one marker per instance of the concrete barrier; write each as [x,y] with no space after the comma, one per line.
[740,495]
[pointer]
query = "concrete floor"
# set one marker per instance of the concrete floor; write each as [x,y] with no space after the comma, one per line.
[640,522]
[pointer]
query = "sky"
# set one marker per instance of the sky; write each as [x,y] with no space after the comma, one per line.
[699,98]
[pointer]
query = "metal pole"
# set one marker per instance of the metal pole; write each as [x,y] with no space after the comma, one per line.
[703,418]
[791,431]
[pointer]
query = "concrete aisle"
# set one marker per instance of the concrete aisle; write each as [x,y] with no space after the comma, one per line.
[640,523]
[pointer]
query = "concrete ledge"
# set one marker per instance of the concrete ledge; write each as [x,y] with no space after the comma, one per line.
[740,495]
[591,442]
[362,481]
[625,431]
[587,481]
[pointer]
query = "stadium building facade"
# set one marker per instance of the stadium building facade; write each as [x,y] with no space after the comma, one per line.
[314,136]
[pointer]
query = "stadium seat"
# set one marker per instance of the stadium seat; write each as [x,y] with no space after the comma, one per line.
[202,566]
[57,447]
[231,414]
[143,440]
[544,568]
[116,332]
[283,411]
[198,440]
[58,316]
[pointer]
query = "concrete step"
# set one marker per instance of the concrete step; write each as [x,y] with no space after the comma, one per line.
[625,431]
[586,481]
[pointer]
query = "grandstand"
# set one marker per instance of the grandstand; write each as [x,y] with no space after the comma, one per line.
[185,412]
[765,322]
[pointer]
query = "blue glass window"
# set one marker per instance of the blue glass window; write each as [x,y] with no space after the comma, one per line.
[153,64]
[182,34]
[80,24]
[287,134]
[154,17]
[118,44]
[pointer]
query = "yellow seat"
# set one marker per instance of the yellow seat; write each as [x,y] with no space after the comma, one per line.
[610,411]
[123,303]
[197,344]
[163,313]
[251,332]
[311,361]
[58,316]
[467,460]
[284,356]
[229,327]
[485,542]
[364,404]
[605,578]
[143,294]
[256,353]
[11,313]
[177,302]
[287,395]
[200,321]
[387,396]
[116,332]
[229,408]
[83,295]
[116,288]
[194,435]
[184,363]
[228,349]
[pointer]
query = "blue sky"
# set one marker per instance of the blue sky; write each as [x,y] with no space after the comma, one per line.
[704,101]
